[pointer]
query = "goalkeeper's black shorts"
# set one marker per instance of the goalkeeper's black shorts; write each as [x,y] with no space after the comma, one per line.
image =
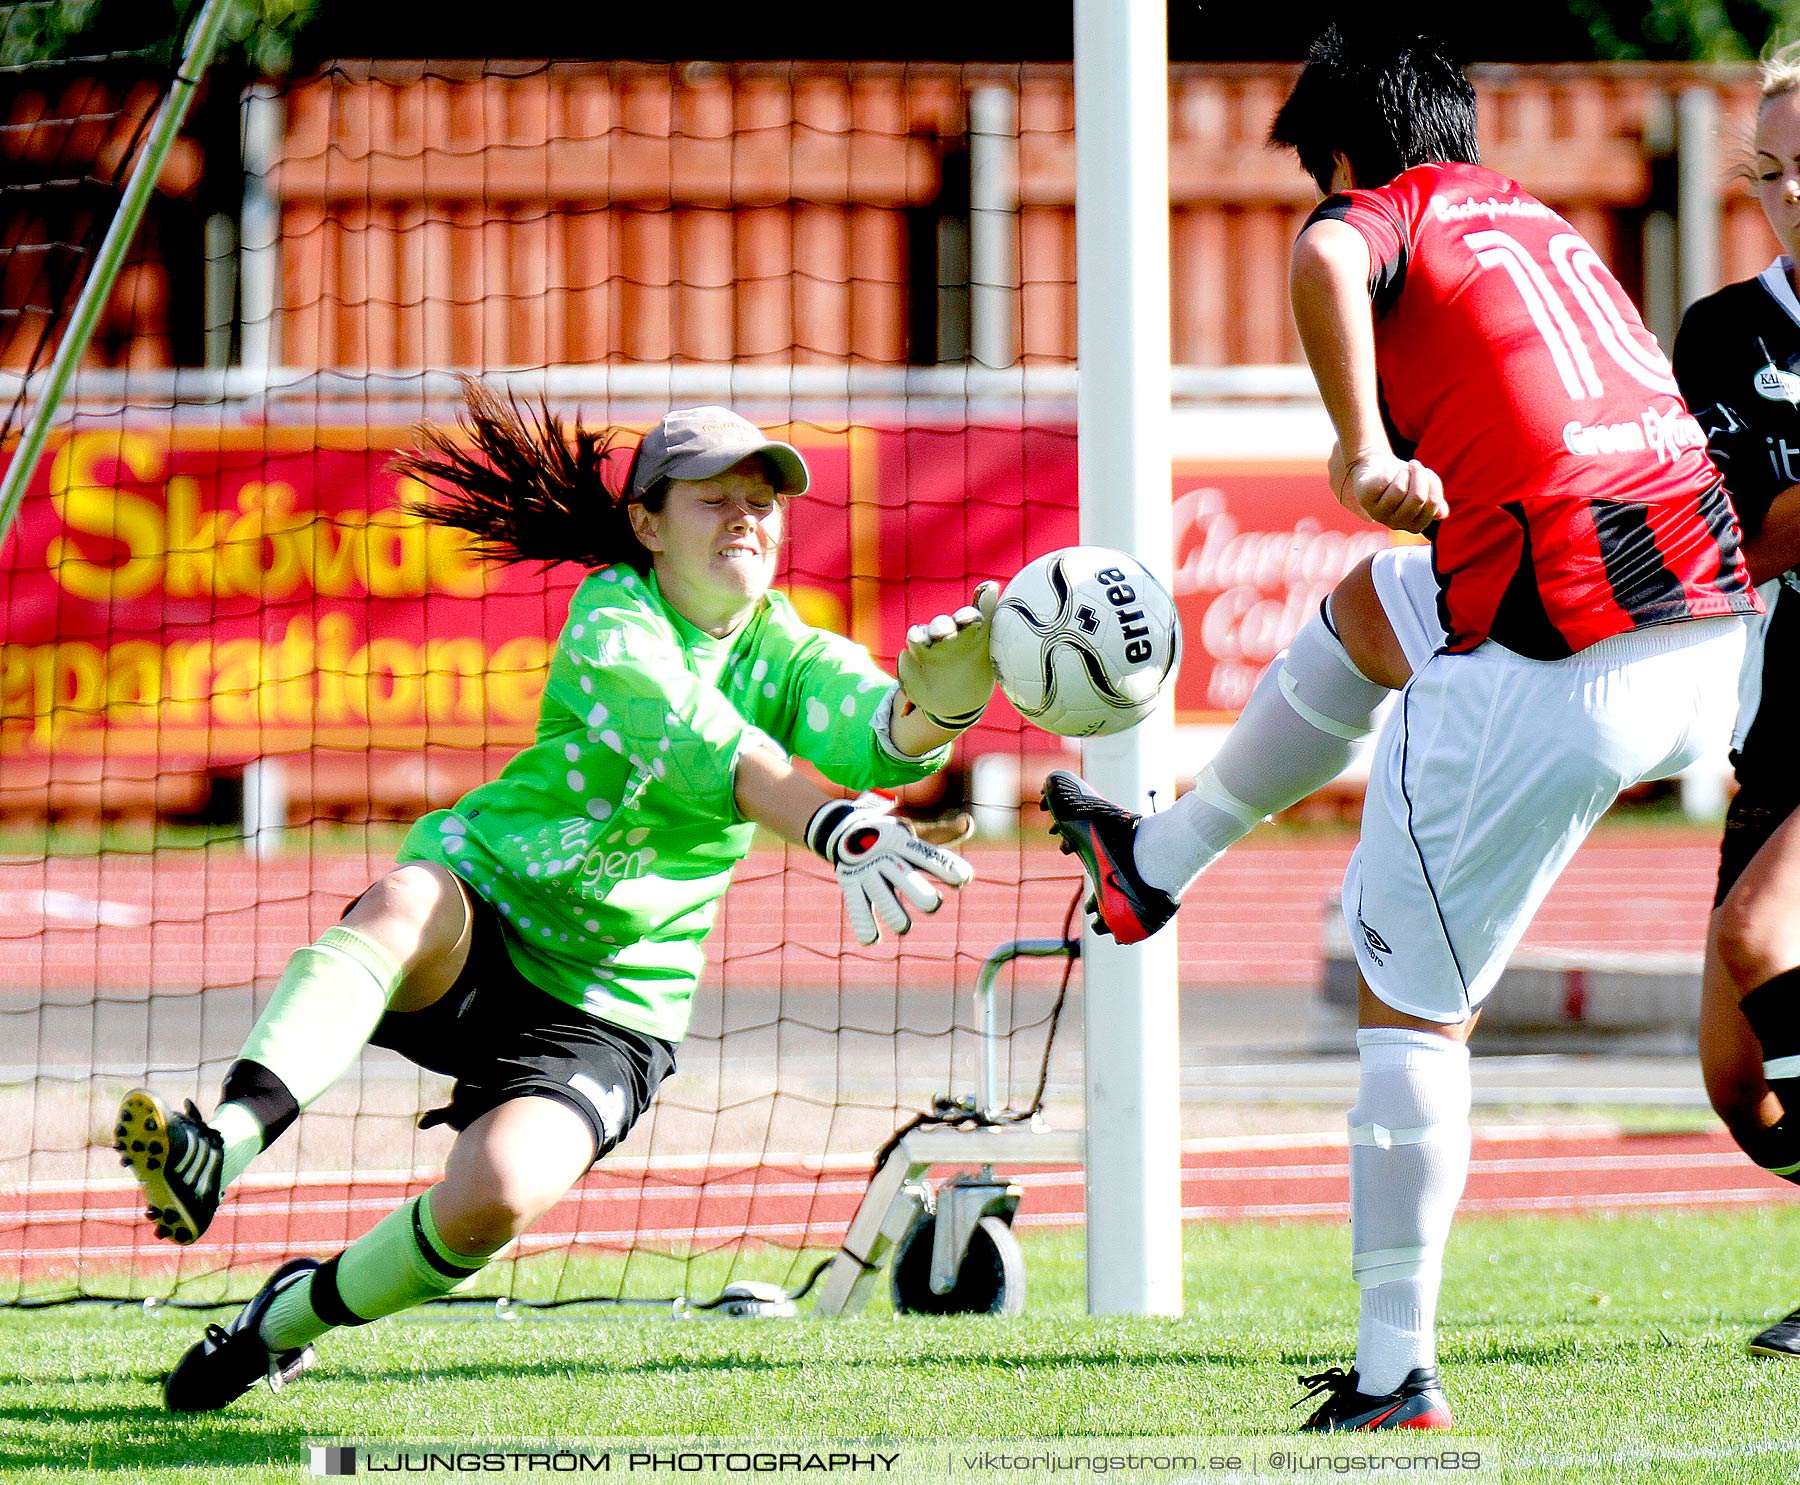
[502,1038]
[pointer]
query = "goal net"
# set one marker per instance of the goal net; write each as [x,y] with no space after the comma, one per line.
[233,669]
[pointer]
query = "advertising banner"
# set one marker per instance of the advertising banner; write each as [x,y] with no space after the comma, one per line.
[207,596]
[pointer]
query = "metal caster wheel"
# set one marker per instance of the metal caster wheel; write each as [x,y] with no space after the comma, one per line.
[990,1281]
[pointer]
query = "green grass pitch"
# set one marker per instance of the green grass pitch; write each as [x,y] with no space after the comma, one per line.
[1597,1349]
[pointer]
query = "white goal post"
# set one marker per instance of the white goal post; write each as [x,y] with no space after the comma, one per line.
[1122,251]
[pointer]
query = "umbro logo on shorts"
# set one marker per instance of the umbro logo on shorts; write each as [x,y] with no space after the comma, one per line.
[1378,945]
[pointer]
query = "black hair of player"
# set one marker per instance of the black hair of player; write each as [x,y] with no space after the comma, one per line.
[524,486]
[1385,97]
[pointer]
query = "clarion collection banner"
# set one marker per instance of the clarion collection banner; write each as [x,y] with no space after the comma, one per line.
[205,596]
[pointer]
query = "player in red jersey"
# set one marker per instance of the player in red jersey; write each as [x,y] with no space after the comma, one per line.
[1738,358]
[1572,631]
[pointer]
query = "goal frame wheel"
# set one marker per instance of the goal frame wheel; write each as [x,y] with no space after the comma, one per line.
[989,1280]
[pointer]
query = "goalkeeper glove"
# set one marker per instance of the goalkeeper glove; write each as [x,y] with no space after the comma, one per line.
[877,858]
[945,670]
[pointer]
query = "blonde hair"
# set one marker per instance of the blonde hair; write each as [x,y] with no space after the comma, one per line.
[1777,76]
[1779,72]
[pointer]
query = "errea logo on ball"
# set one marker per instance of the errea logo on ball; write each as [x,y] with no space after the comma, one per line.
[1084,640]
[1132,623]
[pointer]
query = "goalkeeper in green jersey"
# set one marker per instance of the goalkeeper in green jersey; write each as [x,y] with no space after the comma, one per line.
[541,941]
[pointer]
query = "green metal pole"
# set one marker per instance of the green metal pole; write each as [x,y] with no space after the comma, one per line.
[203,38]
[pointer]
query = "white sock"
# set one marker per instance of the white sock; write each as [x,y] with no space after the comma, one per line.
[1173,848]
[1297,733]
[1409,1159]
[243,1137]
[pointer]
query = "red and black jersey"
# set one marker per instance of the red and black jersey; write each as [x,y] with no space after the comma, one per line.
[1582,501]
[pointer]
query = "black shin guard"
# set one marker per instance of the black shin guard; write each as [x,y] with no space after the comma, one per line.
[1776,1150]
[264,1095]
[1773,1011]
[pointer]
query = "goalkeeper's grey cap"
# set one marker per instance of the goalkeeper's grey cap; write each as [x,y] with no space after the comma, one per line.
[695,443]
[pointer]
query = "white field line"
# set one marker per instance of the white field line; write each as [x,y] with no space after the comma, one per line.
[688,1233]
[531,1240]
[73,907]
[687,1195]
[1337,1140]
[1576,1202]
[1055,1177]
[615,1166]
[661,1164]
[750,1190]
[626,1237]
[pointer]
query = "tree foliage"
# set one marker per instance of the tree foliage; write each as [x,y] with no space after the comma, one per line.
[258,33]
[1686,30]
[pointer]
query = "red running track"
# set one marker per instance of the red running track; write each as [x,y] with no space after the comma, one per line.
[63,1236]
[191,919]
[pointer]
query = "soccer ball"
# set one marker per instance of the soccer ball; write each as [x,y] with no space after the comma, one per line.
[1084,640]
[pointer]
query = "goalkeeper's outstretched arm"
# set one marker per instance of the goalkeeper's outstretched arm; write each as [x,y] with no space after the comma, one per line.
[879,860]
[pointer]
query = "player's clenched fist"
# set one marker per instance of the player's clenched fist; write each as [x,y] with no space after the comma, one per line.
[1401,494]
[878,858]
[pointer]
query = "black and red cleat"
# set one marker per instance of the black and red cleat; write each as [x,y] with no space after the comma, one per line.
[1101,834]
[1418,1403]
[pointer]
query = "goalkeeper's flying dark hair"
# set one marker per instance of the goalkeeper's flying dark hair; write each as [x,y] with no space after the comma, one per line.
[527,488]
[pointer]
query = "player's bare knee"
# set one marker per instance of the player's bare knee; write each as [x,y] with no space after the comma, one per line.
[1757,939]
[411,910]
[492,1219]
[1361,624]
[490,1227]
[1372,1012]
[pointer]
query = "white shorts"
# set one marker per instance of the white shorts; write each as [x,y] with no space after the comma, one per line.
[1489,773]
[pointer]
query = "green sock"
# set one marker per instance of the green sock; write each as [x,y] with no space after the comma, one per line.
[321,1016]
[399,1262]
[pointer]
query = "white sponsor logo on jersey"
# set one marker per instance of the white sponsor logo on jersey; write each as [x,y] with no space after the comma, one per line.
[1665,434]
[1778,386]
[1493,207]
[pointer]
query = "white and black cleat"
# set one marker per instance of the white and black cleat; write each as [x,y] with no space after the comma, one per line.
[229,1360]
[177,1159]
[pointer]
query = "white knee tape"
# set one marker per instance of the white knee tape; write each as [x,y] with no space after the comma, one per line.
[1382,1138]
[1208,787]
[1321,683]
[1349,731]
[1385,1265]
